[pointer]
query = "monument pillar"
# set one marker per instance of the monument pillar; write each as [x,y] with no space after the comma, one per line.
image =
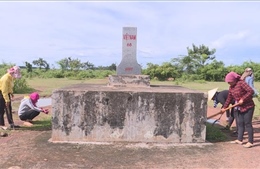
[129,63]
[129,71]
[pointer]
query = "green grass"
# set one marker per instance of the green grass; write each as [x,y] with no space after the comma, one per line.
[213,134]
[205,86]
[46,86]
[43,124]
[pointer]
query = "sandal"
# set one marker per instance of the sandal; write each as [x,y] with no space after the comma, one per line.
[236,142]
[248,145]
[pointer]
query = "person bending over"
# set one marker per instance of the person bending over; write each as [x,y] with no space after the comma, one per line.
[221,97]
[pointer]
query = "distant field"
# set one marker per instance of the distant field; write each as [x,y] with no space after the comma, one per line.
[46,86]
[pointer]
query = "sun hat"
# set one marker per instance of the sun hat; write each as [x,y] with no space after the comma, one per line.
[211,93]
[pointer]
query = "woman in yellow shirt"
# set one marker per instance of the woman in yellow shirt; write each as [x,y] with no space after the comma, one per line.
[6,93]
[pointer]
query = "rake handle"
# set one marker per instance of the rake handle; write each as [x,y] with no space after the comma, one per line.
[220,112]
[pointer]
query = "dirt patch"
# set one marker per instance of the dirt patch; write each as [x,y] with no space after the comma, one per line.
[30,149]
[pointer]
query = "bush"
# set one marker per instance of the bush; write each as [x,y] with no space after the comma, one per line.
[21,86]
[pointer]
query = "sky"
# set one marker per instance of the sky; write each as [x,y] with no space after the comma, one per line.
[92,31]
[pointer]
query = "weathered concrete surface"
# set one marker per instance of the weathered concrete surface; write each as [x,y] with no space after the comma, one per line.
[98,113]
[129,80]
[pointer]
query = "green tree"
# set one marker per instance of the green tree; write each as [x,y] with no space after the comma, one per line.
[197,57]
[41,63]
[185,64]
[74,64]
[163,72]
[214,71]
[64,64]
[112,66]
[201,55]
[87,65]
[28,67]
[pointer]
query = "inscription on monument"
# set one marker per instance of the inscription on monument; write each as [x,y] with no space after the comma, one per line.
[129,65]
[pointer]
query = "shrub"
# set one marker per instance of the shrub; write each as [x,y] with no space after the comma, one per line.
[21,86]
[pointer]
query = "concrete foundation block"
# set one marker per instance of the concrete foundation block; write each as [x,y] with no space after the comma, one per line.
[98,113]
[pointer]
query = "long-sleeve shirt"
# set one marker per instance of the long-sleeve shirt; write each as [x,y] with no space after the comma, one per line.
[6,86]
[241,90]
[222,97]
[250,81]
[27,105]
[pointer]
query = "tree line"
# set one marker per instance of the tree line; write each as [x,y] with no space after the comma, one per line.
[199,63]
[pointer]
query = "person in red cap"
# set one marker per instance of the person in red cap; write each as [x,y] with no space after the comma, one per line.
[28,109]
[6,95]
[242,93]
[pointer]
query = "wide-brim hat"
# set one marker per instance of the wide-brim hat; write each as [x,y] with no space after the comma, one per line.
[211,93]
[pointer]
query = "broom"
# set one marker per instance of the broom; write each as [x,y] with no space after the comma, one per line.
[220,112]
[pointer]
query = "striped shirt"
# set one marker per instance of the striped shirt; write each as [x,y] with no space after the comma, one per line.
[241,90]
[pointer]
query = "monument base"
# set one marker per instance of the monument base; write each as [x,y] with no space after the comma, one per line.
[156,114]
[129,80]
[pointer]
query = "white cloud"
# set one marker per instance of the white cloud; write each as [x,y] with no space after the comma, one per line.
[230,39]
[92,31]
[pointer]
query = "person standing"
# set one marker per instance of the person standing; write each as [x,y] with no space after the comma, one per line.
[28,109]
[6,95]
[248,77]
[242,93]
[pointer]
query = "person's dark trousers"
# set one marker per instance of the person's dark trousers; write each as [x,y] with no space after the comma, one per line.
[233,117]
[29,115]
[2,109]
[245,123]
[236,119]
[9,113]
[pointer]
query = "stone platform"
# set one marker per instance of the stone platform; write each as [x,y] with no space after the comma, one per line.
[129,80]
[100,113]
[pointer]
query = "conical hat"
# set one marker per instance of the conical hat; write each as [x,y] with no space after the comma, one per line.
[211,93]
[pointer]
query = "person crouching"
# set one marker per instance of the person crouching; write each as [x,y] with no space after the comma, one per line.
[28,109]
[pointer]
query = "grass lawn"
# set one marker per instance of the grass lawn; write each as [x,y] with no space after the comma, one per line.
[46,86]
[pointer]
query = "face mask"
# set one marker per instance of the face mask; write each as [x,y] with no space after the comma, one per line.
[17,75]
